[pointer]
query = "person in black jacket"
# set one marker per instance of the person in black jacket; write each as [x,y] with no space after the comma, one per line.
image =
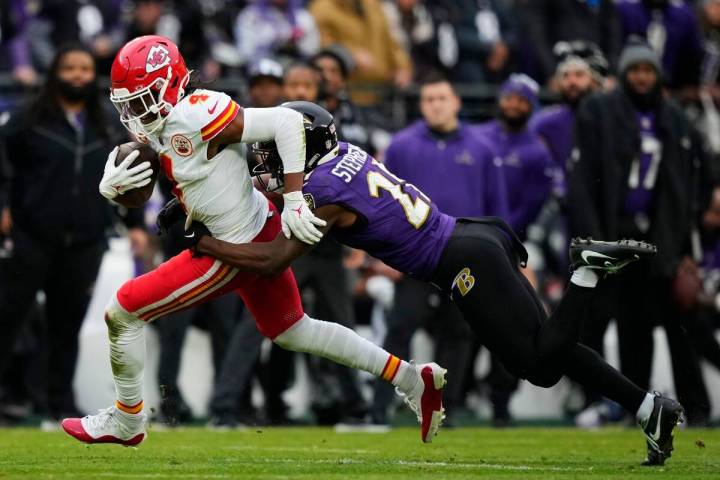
[56,148]
[635,173]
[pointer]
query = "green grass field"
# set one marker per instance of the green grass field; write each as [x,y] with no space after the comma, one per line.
[315,453]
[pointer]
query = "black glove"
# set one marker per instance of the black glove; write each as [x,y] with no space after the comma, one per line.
[193,235]
[169,215]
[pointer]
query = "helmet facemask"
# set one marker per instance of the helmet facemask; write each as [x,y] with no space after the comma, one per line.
[269,161]
[144,111]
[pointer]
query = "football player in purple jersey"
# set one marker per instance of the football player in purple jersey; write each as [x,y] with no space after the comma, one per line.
[476,261]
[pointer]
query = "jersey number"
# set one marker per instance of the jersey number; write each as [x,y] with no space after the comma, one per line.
[198,97]
[416,212]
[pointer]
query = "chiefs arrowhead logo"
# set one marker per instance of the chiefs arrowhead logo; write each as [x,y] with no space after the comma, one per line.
[158,57]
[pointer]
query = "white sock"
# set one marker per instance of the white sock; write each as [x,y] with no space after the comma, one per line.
[646,409]
[127,356]
[407,379]
[342,345]
[585,277]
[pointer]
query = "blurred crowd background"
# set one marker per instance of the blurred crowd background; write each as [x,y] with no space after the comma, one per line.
[565,117]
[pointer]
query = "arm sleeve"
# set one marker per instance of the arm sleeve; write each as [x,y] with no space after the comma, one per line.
[285,127]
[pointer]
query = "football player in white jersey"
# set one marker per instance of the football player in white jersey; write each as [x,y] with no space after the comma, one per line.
[199,136]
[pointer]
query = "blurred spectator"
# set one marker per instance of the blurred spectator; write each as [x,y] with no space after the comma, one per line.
[636,177]
[323,282]
[546,22]
[357,126]
[301,82]
[703,331]
[57,147]
[15,54]
[265,89]
[275,28]
[710,23]
[529,174]
[581,70]
[414,29]
[672,30]
[486,34]
[528,167]
[184,25]
[362,27]
[709,91]
[94,23]
[452,165]
[578,74]
[265,80]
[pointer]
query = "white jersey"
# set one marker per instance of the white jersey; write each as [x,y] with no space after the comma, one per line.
[217,192]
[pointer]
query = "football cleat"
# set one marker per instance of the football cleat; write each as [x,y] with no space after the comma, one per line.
[658,428]
[108,427]
[608,257]
[427,402]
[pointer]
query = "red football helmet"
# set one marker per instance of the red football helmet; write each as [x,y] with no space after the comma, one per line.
[147,79]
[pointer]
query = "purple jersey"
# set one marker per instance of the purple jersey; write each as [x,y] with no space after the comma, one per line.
[396,222]
[644,169]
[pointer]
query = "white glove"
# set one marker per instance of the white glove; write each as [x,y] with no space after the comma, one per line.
[297,219]
[120,179]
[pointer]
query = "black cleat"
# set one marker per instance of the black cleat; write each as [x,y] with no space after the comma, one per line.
[658,428]
[608,257]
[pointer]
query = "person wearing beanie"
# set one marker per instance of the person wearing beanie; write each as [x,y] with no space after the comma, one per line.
[671,28]
[635,173]
[579,72]
[529,168]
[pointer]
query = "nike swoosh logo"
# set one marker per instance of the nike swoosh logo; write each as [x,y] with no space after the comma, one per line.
[590,254]
[190,235]
[212,110]
[655,436]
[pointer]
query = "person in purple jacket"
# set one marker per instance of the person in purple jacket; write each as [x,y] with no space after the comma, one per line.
[444,158]
[529,170]
[455,167]
[474,261]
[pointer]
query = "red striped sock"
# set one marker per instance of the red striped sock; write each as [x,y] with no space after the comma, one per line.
[391,368]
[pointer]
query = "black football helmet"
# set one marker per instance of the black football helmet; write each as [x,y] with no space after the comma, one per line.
[320,139]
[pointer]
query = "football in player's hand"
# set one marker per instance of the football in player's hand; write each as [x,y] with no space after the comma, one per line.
[138,196]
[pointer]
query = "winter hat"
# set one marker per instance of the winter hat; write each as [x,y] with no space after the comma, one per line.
[638,52]
[521,84]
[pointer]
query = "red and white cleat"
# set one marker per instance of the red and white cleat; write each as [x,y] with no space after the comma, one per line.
[110,425]
[426,402]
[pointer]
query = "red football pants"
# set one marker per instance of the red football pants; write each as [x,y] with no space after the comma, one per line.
[185,281]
